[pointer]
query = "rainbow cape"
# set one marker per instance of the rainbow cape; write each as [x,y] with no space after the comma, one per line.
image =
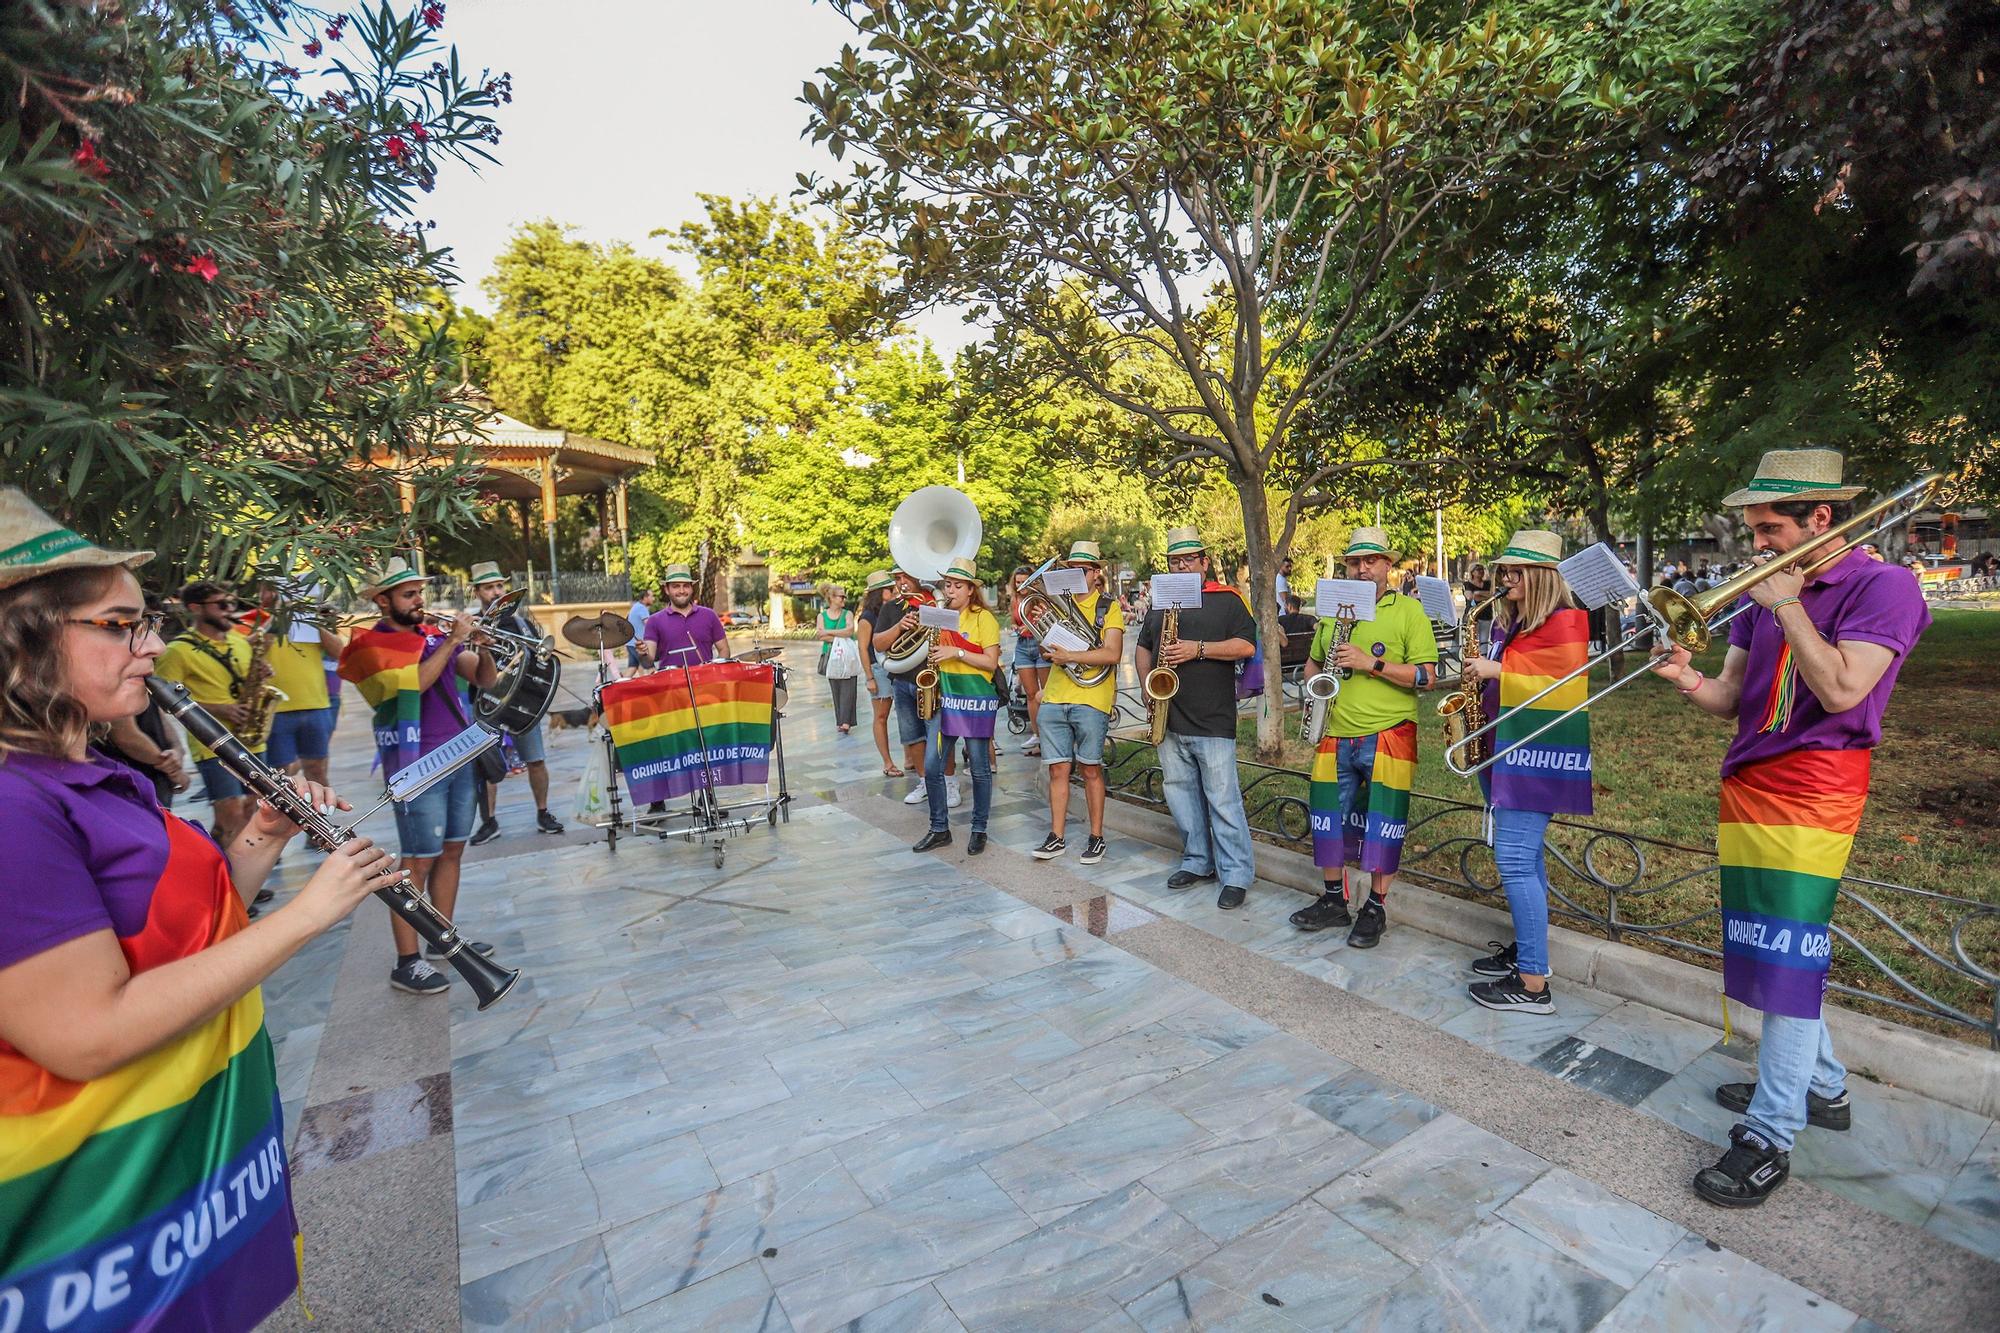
[157,1196]
[1552,772]
[383,663]
[967,698]
[1787,825]
[653,728]
[1373,836]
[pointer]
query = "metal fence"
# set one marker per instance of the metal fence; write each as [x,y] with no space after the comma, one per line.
[1607,877]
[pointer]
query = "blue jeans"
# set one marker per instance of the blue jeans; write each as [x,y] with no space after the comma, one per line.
[978,760]
[1521,854]
[1205,797]
[531,745]
[909,727]
[302,733]
[1073,733]
[1793,1055]
[1354,760]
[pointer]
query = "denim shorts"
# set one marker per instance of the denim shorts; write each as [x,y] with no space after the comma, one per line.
[1028,653]
[1073,733]
[532,745]
[908,725]
[883,689]
[221,783]
[441,815]
[301,733]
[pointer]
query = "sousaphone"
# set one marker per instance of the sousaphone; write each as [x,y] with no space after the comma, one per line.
[929,530]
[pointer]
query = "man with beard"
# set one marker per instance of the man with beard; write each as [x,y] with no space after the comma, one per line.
[682,633]
[414,676]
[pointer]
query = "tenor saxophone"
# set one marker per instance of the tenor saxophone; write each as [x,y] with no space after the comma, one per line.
[1322,688]
[255,693]
[1163,682]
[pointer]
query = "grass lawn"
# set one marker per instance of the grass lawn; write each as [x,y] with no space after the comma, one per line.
[1933,818]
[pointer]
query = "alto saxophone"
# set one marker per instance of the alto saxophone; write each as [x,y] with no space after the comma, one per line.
[255,692]
[1162,682]
[927,680]
[1461,712]
[1322,688]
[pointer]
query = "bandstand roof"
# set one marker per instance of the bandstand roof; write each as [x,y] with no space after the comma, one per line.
[514,456]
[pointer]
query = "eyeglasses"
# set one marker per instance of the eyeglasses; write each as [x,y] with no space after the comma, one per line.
[1510,573]
[137,629]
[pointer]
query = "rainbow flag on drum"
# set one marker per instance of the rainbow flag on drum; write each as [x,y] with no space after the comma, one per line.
[653,729]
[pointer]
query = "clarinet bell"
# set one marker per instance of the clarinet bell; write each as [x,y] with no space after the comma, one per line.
[489,980]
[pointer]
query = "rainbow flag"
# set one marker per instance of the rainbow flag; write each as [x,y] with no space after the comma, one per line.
[1787,825]
[157,1196]
[383,663]
[968,701]
[1374,835]
[1552,772]
[653,727]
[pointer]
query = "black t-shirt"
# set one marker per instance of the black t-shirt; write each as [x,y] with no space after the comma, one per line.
[1206,704]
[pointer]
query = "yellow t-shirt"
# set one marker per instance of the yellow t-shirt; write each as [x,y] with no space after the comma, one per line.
[1399,634]
[299,669]
[207,679]
[977,632]
[1061,689]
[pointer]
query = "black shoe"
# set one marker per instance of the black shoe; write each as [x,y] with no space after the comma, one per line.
[937,837]
[1504,962]
[1231,897]
[657,808]
[547,822]
[483,950]
[1369,923]
[263,896]
[1330,909]
[419,978]
[486,832]
[1823,1112]
[1093,851]
[1186,879]
[1052,847]
[975,842]
[1509,996]
[1747,1173]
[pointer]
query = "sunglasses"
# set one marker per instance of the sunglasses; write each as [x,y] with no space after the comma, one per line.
[137,629]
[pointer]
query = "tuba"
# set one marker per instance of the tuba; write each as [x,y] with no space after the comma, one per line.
[930,529]
[1461,711]
[1041,609]
[1162,683]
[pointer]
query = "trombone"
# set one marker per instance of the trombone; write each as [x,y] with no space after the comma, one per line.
[506,645]
[1683,622]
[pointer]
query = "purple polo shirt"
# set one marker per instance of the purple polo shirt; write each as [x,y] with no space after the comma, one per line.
[672,633]
[86,844]
[1858,598]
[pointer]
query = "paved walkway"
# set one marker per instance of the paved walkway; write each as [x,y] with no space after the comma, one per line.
[834,1084]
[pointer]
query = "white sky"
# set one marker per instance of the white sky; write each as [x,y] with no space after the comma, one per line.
[625,110]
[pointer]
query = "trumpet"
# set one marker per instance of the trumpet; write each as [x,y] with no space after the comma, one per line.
[1683,622]
[1162,683]
[505,644]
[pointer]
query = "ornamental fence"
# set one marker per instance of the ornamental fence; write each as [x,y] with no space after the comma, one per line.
[1905,948]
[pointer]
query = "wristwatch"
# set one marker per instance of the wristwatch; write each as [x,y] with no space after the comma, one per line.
[1377,668]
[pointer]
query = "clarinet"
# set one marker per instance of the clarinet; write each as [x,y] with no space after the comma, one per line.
[489,981]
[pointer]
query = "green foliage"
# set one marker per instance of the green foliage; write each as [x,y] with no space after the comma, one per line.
[202,252]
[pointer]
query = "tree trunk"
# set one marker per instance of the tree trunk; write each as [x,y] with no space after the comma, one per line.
[1262,555]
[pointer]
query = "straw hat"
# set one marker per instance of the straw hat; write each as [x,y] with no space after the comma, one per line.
[1795,474]
[678,574]
[964,568]
[881,578]
[392,575]
[33,544]
[1370,541]
[1184,541]
[487,571]
[1531,546]
[1083,553]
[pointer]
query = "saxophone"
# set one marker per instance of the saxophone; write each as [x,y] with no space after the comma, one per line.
[1323,688]
[255,692]
[1162,682]
[927,679]
[1461,711]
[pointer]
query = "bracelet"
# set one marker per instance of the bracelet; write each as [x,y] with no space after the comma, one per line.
[1699,681]
[1201,650]
[1784,602]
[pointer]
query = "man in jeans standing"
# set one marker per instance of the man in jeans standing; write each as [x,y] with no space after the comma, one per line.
[1198,756]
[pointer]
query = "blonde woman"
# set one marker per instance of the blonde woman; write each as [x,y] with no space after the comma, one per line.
[836,622]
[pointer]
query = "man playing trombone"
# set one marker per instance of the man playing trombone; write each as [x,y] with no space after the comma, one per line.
[1361,778]
[1198,754]
[1808,674]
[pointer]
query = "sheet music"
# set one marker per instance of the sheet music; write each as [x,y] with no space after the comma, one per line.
[1178,591]
[1063,637]
[1075,582]
[440,763]
[1344,599]
[1435,594]
[937,617]
[1598,577]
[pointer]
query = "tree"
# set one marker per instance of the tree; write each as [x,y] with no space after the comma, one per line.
[1221,187]
[202,254]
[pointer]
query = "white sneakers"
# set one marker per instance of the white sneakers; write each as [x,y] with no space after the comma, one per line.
[951,792]
[918,795]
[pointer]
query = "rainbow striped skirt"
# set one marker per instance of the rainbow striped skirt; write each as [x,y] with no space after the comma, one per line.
[1371,830]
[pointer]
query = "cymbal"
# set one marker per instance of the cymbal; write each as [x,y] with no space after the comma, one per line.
[759,655]
[607,629]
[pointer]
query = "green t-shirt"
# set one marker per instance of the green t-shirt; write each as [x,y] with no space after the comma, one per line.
[1400,634]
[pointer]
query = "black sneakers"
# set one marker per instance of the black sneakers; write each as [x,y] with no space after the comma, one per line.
[488,830]
[419,978]
[1510,996]
[1052,847]
[1187,879]
[1747,1173]
[1231,897]
[1504,962]
[1835,1113]
[1093,851]
[263,896]
[547,822]
[1369,924]
[1329,910]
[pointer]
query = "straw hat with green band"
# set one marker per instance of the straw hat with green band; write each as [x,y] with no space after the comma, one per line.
[678,574]
[487,571]
[1083,553]
[1184,541]
[1531,546]
[1370,541]
[881,578]
[1795,474]
[964,568]
[392,575]
[33,544]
